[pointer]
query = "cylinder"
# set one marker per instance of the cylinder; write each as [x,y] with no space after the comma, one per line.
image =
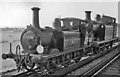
[88,15]
[36,17]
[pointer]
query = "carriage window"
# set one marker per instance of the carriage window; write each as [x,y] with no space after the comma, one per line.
[82,23]
[102,26]
[61,23]
[71,23]
[113,21]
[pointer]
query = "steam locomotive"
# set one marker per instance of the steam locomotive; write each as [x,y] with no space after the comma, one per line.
[68,34]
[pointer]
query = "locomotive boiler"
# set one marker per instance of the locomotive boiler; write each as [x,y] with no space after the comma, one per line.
[42,45]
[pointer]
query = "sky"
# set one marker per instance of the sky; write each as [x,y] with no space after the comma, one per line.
[19,14]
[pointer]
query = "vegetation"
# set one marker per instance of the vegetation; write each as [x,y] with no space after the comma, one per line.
[11,29]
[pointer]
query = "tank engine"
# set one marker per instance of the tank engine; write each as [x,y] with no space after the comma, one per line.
[50,39]
[63,39]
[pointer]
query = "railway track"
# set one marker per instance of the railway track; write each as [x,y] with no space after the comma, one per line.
[112,68]
[91,66]
[96,70]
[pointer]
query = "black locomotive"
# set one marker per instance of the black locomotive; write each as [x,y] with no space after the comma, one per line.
[60,38]
[68,35]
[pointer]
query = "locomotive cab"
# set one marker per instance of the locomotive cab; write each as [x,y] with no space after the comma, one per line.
[99,32]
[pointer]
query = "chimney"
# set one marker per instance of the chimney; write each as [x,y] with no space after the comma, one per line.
[88,15]
[98,17]
[36,17]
